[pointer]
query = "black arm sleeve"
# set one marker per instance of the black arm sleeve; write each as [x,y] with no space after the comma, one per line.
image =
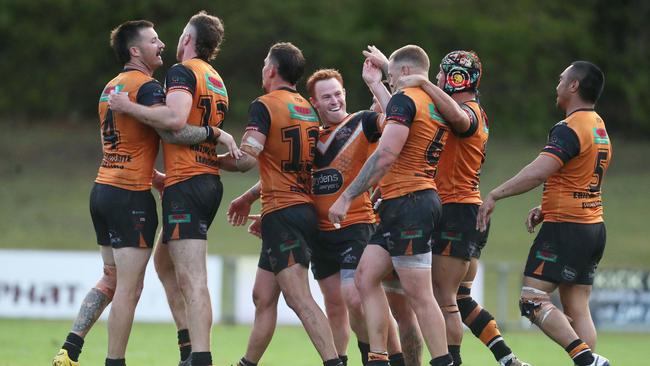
[369,121]
[473,121]
[151,93]
[401,109]
[180,77]
[562,142]
[259,118]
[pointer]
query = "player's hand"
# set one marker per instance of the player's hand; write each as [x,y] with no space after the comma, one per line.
[239,210]
[226,139]
[339,210]
[255,227]
[371,73]
[158,181]
[409,81]
[119,102]
[376,57]
[484,212]
[535,217]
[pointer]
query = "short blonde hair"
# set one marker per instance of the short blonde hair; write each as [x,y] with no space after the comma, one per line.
[412,55]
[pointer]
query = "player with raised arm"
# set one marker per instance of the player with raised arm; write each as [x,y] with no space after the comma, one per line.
[122,207]
[196,96]
[571,241]
[406,162]
[456,244]
[344,140]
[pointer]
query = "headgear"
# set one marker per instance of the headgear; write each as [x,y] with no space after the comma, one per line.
[462,71]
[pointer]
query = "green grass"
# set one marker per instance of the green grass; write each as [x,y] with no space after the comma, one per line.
[29,342]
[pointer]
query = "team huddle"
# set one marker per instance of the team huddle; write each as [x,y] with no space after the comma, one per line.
[383,204]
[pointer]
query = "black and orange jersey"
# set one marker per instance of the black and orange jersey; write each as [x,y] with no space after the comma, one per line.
[209,107]
[341,151]
[129,146]
[460,163]
[290,125]
[416,166]
[581,144]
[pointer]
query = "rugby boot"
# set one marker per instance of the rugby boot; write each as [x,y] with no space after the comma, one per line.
[62,359]
[512,360]
[187,362]
[518,362]
[599,361]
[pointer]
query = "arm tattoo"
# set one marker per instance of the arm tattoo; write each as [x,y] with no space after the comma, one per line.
[91,308]
[245,163]
[255,190]
[374,168]
[188,135]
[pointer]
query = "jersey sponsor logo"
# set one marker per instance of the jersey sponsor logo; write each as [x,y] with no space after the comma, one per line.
[348,256]
[434,115]
[397,113]
[110,90]
[327,181]
[289,244]
[306,114]
[179,218]
[411,234]
[600,136]
[215,85]
[592,204]
[350,259]
[546,256]
[203,227]
[114,237]
[451,235]
[568,273]
[585,195]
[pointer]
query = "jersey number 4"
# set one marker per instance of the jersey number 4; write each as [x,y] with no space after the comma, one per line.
[110,136]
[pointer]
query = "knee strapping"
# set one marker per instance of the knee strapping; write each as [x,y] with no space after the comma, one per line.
[108,282]
[535,305]
[466,306]
[450,309]
[464,290]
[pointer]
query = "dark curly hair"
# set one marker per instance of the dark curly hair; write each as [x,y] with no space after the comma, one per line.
[209,34]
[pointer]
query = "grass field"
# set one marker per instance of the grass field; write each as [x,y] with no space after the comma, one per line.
[28,343]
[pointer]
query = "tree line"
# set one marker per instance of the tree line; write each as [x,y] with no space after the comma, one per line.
[56,57]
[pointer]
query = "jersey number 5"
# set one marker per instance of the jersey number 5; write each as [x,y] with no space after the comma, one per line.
[599,170]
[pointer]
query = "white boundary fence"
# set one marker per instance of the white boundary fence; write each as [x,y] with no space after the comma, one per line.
[52,285]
